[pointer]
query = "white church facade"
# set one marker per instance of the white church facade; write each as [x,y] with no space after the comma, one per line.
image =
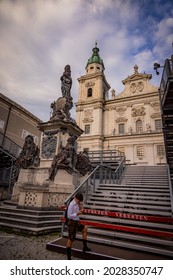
[129,122]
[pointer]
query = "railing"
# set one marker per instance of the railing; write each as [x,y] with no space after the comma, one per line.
[9,145]
[170,187]
[102,156]
[166,76]
[100,175]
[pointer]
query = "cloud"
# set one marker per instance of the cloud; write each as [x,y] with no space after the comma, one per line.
[38,38]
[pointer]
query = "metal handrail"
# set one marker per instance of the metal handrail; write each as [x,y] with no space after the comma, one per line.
[104,155]
[166,76]
[101,174]
[9,145]
[170,187]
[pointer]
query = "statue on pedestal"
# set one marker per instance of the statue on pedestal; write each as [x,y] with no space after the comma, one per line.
[28,157]
[69,160]
[63,105]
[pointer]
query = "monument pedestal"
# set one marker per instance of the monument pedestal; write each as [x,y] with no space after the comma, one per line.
[49,184]
[34,190]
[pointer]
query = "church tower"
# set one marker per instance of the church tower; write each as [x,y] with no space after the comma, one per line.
[93,92]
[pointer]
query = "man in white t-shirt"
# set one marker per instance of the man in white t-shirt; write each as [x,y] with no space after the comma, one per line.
[75,209]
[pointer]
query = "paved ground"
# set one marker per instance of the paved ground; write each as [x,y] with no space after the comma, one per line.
[19,247]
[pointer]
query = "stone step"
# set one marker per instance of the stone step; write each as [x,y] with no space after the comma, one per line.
[133,210]
[126,199]
[137,186]
[132,244]
[125,205]
[29,223]
[132,189]
[104,250]
[29,217]
[30,230]
[30,211]
[148,197]
[128,222]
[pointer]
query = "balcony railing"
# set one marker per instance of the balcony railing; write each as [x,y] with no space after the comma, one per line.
[10,146]
[166,76]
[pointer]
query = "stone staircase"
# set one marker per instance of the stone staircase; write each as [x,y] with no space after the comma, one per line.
[134,215]
[28,221]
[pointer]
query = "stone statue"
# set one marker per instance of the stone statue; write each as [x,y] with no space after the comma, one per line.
[69,160]
[28,157]
[66,159]
[62,105]
[66,82]
[83,164]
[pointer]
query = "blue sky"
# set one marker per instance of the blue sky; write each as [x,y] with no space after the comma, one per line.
[39,37]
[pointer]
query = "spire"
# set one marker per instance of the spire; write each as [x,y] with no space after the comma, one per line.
[95,58]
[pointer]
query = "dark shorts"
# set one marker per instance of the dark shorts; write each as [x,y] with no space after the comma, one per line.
[73,227]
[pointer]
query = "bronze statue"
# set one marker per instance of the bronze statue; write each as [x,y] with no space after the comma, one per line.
[83,164]
[66,159]
[28,157]
[62,105]
[66,82]
[69,160]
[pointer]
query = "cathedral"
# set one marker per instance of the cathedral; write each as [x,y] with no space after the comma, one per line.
[129,123]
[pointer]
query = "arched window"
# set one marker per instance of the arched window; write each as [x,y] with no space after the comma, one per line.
[139,127]
[90,92]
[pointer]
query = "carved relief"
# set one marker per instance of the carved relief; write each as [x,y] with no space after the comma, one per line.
[140,86]
[99,106]
[133,87]
[79,109]
[30,199]
[121,119]
[155,106]
[89,84]
[55,200]
[156,115]
[121,109]
[138,112]
[88,113]
[48,147]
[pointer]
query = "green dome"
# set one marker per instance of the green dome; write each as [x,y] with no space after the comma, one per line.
[95,58]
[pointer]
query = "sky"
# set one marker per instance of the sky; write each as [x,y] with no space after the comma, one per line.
[39,37]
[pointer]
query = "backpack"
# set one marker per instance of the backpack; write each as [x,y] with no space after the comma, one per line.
[66,210]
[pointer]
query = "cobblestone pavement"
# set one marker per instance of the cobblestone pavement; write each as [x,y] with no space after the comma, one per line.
[20,247]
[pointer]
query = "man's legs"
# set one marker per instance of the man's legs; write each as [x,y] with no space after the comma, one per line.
[71,237]
[84,236]
[69,245]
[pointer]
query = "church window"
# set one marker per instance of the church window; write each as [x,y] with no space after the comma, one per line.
[158,125]
[87,129]
[90,92]
[121,151]
[121,128]
[140,151]
[160,150]
[139,127]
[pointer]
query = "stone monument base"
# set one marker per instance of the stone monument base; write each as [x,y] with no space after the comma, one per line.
[34,190]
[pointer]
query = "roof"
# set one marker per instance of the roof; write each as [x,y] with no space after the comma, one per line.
[19,107]
[95,57]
